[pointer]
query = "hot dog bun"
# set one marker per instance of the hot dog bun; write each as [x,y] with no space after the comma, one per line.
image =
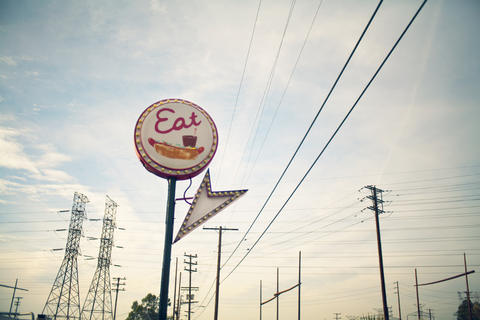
[174,152]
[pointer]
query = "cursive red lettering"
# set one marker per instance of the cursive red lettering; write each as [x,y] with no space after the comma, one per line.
[178,124]
[160,120]
[192,117]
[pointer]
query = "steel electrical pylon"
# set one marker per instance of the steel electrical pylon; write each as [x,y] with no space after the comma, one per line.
[98,303]
[64,300]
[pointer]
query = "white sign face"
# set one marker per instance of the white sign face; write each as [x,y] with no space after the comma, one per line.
[205,205]
[175,138]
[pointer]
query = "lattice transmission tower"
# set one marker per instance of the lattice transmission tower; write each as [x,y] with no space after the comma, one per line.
[98,304]
[64,300]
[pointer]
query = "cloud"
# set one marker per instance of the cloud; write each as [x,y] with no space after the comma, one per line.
[53,175]
[8,60]
[13,61]
[50,157]
[13,156]
[9,187]
[5,202]
[7,118]
[158,6]
[38,192]
[31,73]
[39,161]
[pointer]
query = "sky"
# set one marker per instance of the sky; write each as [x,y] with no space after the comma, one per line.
[75,77]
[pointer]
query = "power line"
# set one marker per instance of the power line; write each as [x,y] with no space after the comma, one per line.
[266,90]
[239,87]
[309,128]
[286,87]
[331,138]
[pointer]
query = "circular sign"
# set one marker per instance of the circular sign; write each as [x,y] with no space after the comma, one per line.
[175,138]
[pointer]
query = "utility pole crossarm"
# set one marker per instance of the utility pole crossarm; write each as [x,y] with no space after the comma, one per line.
[454,277]
[16,288]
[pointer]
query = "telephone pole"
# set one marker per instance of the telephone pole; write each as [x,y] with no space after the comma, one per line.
[418,299]
[336,316]
[175,289]
[17,304]
[398,296]
[430,314]
[217,287]
[116,295]
[14,290]
[190,270]
[176,312]
[468,290]
[278,290]
[377,209]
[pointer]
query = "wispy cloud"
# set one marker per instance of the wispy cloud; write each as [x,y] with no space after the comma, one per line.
[13,156]
[13,61]
[21,151]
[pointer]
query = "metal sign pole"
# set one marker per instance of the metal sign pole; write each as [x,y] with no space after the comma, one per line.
[167,249]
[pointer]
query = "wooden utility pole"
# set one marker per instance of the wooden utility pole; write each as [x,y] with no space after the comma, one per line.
[190,270]
[468,290]
[278,289]
[398,296]
[17,304]
[175,288]
[430,314]
[418,299]
[176,312]
[299,280]
[443,280]
[261,300]
[217,286]
[116,295]
[377,202]
[14,290]
[277,294]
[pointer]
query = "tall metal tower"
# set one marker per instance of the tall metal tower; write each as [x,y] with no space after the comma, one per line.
[98,304]
[64,300]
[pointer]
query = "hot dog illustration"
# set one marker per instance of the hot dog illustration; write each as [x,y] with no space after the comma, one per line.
[175,152]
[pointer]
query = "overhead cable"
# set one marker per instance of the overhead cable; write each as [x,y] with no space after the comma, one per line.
[267,89]
[240,86]
[308,130]
[285,90]
[331,138]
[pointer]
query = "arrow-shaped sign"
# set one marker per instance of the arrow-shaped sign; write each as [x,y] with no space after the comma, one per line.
[205,205]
